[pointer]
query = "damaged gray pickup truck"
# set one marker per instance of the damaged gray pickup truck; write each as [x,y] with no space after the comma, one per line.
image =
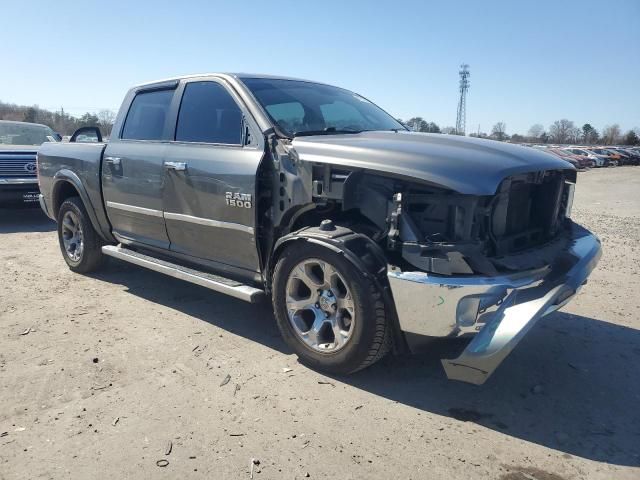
[368,238]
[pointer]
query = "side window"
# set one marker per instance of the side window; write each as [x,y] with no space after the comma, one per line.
[289,116]
[147,115]
[208,114]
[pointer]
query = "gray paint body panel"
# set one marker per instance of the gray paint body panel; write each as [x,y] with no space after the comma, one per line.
[137,181]
[198,220]
[199,191]
[465,165]
[79,165]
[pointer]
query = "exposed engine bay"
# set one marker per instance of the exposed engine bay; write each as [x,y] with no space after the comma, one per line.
[443,232]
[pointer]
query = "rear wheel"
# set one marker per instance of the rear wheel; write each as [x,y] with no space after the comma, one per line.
[328,312]
[80,244]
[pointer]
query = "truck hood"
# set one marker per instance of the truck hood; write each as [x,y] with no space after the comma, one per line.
[466,165]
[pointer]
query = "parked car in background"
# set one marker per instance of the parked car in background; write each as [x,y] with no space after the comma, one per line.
[628,156]
[566,156]
[612,159]
[635,154]
[19,143]
[579,161]
[598,160]
[585,160]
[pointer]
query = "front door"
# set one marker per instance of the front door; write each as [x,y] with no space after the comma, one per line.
[209,194]
[133,171]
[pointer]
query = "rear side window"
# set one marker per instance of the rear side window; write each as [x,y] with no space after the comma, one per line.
[147,115]
[209,114]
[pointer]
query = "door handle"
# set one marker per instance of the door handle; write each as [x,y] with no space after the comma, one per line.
[113,160]
[178,166]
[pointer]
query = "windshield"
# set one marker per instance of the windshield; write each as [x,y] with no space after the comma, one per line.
[305,108]
[17,133]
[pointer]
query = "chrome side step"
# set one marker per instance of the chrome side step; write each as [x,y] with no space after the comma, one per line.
[207,280]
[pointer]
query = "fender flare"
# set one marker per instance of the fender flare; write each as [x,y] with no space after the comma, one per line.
[361,251]
[68,176]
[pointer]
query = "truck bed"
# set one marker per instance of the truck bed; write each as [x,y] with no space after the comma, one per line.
[79,164]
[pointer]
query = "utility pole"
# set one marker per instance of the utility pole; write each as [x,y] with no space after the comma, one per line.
[461,117]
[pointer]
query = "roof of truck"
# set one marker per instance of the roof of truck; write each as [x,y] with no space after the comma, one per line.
[236,75]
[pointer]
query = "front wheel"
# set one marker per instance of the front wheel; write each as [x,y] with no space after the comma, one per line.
[328,312]
[80,244]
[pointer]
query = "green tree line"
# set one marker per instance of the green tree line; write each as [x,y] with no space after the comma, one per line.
[559,132]
[60,121]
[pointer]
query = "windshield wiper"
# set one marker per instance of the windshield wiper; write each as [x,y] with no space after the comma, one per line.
[324,131]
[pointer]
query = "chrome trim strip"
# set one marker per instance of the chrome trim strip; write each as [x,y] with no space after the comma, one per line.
[181,217]
[571,189]
[242,292]
[134,209]
[18,181]
[208,222]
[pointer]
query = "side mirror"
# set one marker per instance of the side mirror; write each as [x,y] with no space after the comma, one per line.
[246,133]
[86,135]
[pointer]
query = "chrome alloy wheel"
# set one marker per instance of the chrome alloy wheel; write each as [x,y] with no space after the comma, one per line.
[320,306]
[72,237]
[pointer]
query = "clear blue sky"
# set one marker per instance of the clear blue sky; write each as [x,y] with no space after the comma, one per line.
[531,61]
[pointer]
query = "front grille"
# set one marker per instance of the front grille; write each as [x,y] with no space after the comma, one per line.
[526,211]
[17,164]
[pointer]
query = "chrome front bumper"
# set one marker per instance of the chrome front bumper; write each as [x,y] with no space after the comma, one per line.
[500,309]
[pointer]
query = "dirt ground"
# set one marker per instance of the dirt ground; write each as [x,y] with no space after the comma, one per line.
[103,376]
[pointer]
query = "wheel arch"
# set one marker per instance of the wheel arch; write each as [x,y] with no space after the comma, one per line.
[358,249]
[67,184]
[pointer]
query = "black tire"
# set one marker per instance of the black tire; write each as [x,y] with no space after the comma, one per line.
[89,258]
[372,334]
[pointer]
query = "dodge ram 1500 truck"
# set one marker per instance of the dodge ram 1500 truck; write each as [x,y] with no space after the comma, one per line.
[366,236]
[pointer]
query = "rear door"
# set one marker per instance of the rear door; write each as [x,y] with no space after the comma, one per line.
[210,183]
[133,171]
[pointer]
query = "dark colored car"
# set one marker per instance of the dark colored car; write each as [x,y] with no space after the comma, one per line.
[19,143]
[627,156]
[635,154]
